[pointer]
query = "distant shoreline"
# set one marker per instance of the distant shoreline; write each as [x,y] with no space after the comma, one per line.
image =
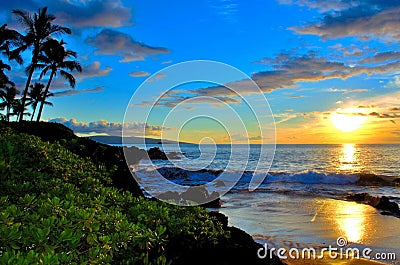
[131,140]
[117,140]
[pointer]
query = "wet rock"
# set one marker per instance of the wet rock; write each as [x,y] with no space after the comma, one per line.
[387,205]
[368,179]
[219,183]
[200,195]
[174,155]
[170,196]
[194,194]
[156,154]
[381,203]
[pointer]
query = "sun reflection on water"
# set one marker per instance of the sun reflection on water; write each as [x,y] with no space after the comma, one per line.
[348,158]
[352,220]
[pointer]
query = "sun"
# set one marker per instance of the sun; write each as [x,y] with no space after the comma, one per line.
[347,123]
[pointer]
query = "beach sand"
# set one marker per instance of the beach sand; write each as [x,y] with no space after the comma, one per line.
[333,262]
[287,221]
[327,260]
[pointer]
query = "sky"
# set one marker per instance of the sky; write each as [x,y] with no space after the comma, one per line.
[328,71]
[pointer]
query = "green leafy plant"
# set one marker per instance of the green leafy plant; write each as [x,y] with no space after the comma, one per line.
[60,208]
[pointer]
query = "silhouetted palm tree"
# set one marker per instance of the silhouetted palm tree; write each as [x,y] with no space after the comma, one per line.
[8,40]
[19,109]
[36,96]
[54,57]
[4,81]
[39,28]
[8,94]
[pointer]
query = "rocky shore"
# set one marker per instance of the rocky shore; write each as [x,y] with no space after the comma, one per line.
[383,204]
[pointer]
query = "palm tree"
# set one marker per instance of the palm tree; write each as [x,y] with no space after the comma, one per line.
[39,28]
[4,81]
[8,40]
[36,96]
[54,57]
[18,109]
[8,94]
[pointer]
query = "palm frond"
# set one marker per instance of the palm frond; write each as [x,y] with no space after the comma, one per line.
[24,18]
[69,77]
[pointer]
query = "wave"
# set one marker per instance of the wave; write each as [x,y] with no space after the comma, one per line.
[199,177]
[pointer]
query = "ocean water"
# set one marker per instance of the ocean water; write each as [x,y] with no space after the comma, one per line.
[301,202]
[324,170]
[381,159]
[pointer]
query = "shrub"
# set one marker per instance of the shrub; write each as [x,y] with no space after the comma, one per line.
[59,208]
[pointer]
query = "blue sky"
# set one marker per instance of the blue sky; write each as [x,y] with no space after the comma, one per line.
[311,59]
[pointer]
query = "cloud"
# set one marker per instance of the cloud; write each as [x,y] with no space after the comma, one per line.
[351,50]
[110,128]
[365,106]
[284,117]
[75,91]
[362,18]
[226,9]
[139,74]
[346,91]
[112,42]
[88,71]
[171,101]
[80,13]
[383,57]
[108,13]
[156,77]
[378,107]
[323,6]
[93,70]
[385,115]
[394,83]
[288,70]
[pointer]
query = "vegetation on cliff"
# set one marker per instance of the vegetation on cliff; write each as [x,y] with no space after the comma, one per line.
[59,207]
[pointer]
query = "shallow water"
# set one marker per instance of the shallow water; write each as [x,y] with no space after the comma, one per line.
[288,221]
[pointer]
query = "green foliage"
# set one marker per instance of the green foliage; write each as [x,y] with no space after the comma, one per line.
[110,156]
[59,208]
[47,131]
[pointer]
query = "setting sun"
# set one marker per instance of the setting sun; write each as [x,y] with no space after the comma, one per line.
[347,123]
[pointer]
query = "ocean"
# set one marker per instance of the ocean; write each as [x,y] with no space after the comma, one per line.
[302,201]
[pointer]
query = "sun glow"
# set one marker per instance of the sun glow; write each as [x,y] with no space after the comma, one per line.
[353,221]
[347,123]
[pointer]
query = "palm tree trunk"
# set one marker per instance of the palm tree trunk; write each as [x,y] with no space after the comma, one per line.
[28,82]
[34,110]
[8,113]
[44,96]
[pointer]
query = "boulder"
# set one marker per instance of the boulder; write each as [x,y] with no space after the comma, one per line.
[156,154]
[381,203]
